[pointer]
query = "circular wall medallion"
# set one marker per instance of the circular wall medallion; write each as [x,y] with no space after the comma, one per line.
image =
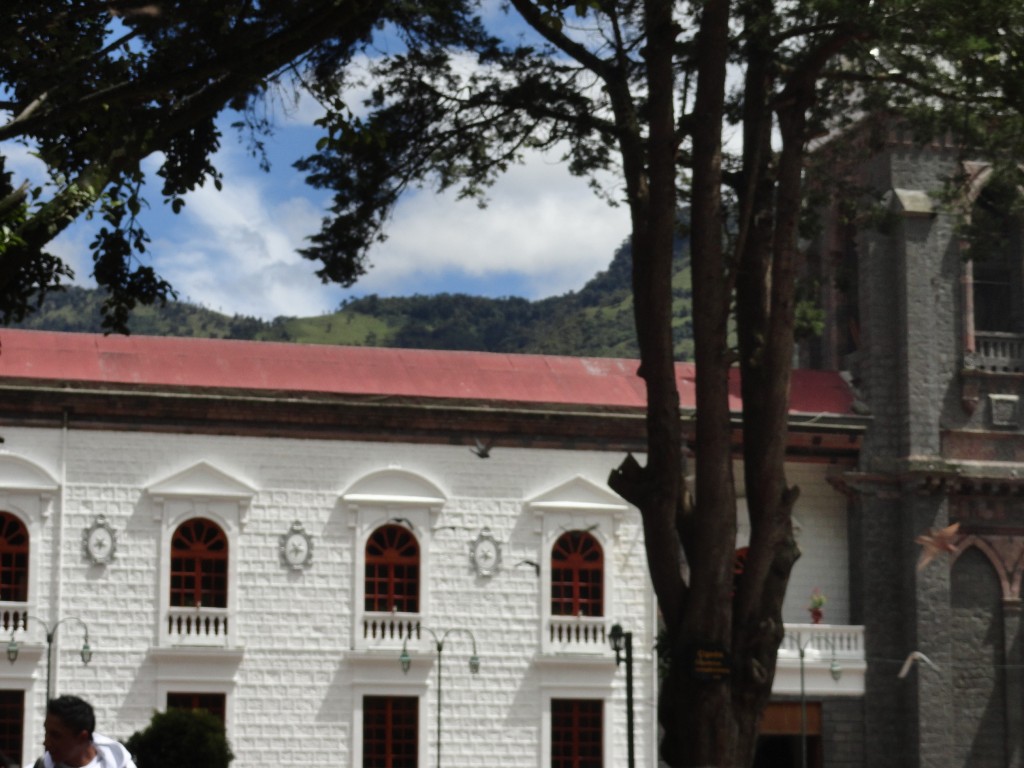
[485,553]
[296,548]
[99,541]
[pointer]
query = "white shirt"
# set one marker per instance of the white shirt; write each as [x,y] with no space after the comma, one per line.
[109,754]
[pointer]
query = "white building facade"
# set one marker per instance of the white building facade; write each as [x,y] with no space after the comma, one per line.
[307,542]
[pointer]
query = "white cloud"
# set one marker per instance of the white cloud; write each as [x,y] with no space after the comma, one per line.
[542,226]
[544,233]
[236,250]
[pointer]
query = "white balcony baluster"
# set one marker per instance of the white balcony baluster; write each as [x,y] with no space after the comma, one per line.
[197,626]
[388,630]
[999,352]
[821,643]
[576,634]
[13,616]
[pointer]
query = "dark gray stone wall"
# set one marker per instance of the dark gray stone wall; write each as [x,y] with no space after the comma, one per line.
[929,591]
[1014,684]
[890,732]
[933,428]
[977,667]
[911,309]
[879,362]
[843,737]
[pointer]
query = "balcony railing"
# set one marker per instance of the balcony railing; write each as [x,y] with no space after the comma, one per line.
[998,352]
[821,640]
[209,627]
[13,616]
[387,630]
[576,634]
[822,644]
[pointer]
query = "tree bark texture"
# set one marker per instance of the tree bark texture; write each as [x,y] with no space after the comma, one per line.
[711,720]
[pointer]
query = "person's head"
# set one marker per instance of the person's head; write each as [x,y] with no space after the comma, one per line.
[68,728]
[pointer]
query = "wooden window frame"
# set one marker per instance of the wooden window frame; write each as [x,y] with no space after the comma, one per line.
[12,724]
[391,579]
[199,565]
[577,575]
[577,733]
[214,703]
[396,720]
[14,559]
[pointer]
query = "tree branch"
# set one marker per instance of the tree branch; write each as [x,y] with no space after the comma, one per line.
[532,16]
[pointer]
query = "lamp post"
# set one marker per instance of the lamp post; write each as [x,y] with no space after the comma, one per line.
[474,668]
[85,653]
[834,669]
[623,641]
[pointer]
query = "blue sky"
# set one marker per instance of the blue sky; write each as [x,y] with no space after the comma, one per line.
[543,233]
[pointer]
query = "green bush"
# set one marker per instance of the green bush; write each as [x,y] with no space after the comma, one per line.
[180,737]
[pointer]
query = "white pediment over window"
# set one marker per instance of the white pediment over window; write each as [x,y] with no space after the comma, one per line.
[18,474]
[578,494]
[26,486]
[201,489]
[394,487]
[202,480]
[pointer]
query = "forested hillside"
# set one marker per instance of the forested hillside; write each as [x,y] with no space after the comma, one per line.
[596,320]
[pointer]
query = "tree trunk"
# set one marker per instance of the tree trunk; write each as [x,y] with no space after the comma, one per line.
[710,716]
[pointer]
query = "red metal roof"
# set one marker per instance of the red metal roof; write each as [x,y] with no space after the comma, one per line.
[80,359]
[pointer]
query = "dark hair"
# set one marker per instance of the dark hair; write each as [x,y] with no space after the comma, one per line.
[73,712]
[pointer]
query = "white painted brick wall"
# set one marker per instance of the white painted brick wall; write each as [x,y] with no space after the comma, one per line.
[292,695]
[824,559]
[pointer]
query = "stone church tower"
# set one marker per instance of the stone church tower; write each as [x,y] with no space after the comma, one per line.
[930,333]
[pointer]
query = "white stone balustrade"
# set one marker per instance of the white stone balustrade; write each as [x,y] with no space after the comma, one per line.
[999,352]
[576,634]
[209,627]
[387,630]
[13,616]
[822,643]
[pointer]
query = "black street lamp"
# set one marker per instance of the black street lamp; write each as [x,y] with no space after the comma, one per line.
[834,669]
[623,641]
[85,653]
[474,668]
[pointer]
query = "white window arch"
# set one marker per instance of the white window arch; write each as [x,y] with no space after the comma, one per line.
[584,510]
[386,501]
[28,493]
[199,492]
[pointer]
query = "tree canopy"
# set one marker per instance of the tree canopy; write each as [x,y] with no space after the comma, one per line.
[94,87]
[712,104]
[181,737]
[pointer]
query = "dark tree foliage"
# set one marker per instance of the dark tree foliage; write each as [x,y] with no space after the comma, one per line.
[644,88]
[647,89]
[95,87]
[80,310]
[181,737]
[595,320]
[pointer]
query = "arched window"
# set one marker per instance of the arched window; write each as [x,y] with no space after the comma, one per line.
[577,575]
[199,565]
[392,570]
[13,559]
[994,237]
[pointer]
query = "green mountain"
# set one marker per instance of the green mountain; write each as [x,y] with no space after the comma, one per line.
[595,321]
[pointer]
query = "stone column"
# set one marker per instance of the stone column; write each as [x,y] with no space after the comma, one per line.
[931,636]
[1014,704]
